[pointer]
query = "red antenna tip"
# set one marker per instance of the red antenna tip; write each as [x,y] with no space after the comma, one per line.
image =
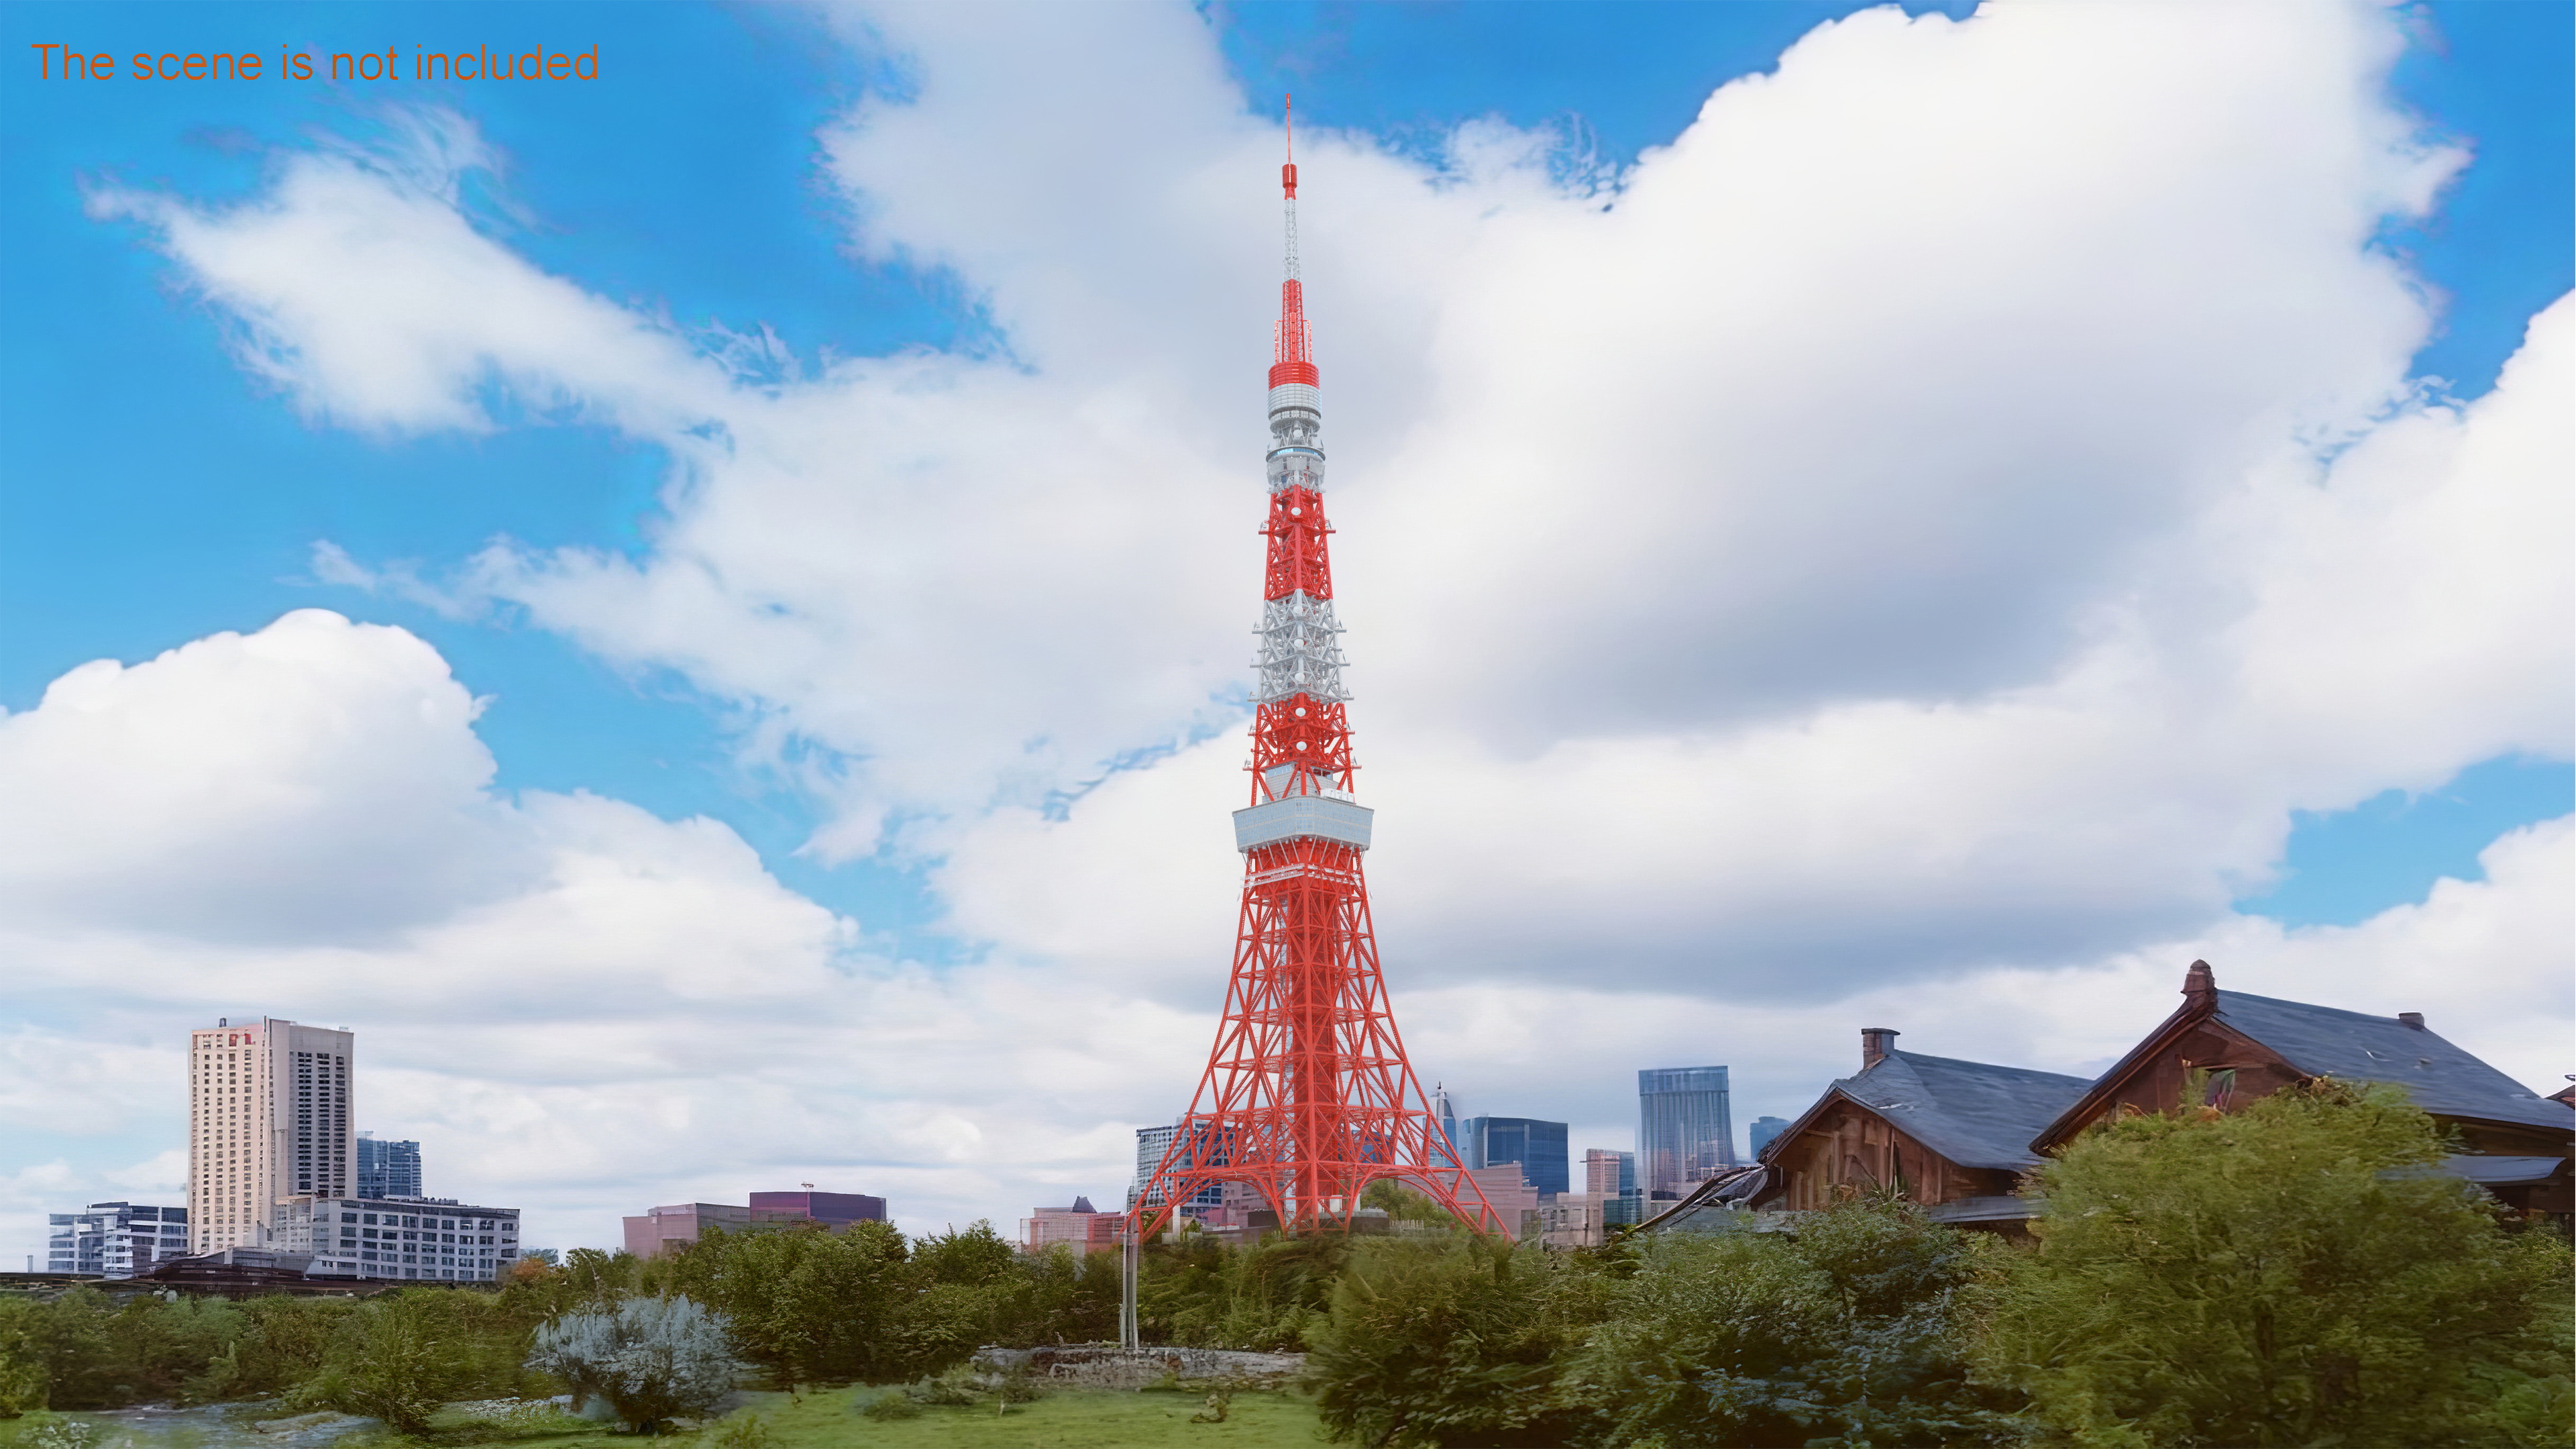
[1288,172]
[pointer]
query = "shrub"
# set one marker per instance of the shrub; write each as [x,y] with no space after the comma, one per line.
[742,1431]
[812,1306]
[1445,1341]
[1845,1333]
[2293,1272]
[893,1404]
[652,1359]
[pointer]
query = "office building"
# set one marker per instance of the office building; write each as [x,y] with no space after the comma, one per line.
[416,1238]
[830,1209]
[1081,1227]
[268,1122]
[1539,1148]
[1444,1110]
[1684,1135]
[115,1239]
[1609,1173]
[661,1230]
[388,1169]
[1511,1197]
[1151,1144]
[1766,1128]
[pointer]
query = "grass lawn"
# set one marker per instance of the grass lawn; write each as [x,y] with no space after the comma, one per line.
[1066,1419]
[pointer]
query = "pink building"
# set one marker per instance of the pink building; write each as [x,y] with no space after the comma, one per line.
[661,1229]
[1080,1227]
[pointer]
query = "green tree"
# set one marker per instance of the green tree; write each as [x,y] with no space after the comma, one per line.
[811,1306]
[1448,1340]
[1846,1332]
[2292,1273]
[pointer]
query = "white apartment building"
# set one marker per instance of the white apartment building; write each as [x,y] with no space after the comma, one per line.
[360,1237]
[268,1122]
[115,1239]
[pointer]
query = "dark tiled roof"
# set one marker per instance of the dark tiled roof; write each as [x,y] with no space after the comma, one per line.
[2504,1171]
[1973,1113]
[2321,1041]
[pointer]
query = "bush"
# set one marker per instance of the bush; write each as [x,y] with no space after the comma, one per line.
[653,1360]
[812,1306]
[893,1404]
[2290,1273]
[1446,1341]
[1846,1333]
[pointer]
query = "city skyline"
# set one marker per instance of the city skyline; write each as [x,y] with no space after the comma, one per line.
[701,612]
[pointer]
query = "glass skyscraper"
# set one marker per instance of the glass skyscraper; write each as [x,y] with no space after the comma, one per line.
[1539,1147]
[1766,1128]
[1684,1135]
[387,1169]
[1444,1108]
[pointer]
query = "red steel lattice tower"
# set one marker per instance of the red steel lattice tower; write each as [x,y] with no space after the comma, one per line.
[1307,1098]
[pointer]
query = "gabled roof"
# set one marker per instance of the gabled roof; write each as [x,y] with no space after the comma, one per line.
[1975,1114]
[2321,1041]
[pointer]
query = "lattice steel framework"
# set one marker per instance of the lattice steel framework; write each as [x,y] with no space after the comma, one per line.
[1307,1097]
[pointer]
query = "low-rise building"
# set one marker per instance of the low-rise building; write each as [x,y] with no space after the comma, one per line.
[405,1238]
[115,1239]
[2230,1048]
[1081,1227]
[663,1230]
[828,1209]
[1952,1135]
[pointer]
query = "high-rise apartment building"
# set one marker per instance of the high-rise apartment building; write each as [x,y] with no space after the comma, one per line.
[388,1169]
[1684,1135]
[115,1239]
[1539,1148]
[1609,1173]
[1766,1128]
[268,1121]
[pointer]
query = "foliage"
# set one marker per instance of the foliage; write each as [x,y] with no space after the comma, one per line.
[742,1431]
[1449,1340]
[812,1306]
[652,1359]
[1845,1333]
[22,1359]
[1272,1296]
[2289,1273]
[894,1405]
[1403,1204]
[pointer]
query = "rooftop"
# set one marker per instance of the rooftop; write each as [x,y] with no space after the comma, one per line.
[2322,1041]
[1974,1113]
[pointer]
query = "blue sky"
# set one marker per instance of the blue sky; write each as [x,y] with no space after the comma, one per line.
[684,180]
[159,492]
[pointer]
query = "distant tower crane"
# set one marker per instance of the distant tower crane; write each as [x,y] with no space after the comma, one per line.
[1307,1097]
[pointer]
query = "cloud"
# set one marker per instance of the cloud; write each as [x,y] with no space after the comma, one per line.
[1902,553]
[312,779]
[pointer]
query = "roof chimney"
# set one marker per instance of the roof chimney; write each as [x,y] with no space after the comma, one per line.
[2200,986]
[2414,1019]
[1875,1043]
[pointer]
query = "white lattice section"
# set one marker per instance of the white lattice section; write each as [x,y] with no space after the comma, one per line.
[1300,651]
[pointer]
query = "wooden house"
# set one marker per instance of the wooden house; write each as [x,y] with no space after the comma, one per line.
[2514,1142]
[1952,1135]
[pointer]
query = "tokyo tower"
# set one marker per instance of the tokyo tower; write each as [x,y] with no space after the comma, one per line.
[1307,1098]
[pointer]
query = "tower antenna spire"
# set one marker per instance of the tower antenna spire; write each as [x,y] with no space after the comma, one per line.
[1307,1098]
